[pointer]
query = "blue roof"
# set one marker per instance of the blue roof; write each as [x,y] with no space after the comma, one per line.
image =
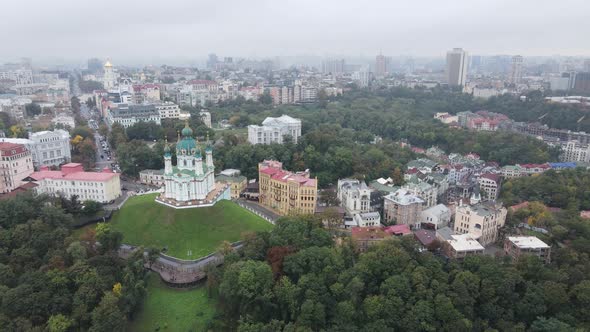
[570,164]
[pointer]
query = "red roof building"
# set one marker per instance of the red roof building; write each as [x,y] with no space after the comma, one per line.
[398,230]
[16,163]
[368,236]
[71,179]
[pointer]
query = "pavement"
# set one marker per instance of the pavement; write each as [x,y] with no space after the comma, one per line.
[271,215]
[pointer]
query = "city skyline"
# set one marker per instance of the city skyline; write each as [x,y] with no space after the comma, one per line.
[61,29]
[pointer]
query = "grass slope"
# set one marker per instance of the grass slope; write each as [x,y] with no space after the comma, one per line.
[145,222]
[173,309]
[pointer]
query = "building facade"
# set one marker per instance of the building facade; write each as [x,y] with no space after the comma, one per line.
[516,70]
[402,208]
[16,164]
[153,177]
[51,148]
[574,151]
[482,221]
[354,196]
[109,80]
[273,130]
[206,118]
[457,67]
[461,246]
[237,182]
[368,219]
[286,192]
[516,246]
[191,180]
[71,180]
[128,115]
[489,184]
[170,110]
[435,217]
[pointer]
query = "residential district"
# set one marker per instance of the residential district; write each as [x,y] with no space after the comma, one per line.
[449,198]
[71,134]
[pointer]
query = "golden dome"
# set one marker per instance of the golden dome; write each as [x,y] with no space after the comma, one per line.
[108,64]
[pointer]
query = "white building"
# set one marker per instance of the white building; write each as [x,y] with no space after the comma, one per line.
[170,110]
[19,76]
[438,216]
[482,221]
[128,115]
[15,106]
[206,118]
[354,196]
[461,246]
[425,191]
[367,219]
[574,151]
[191,183]
[64,120]
[362,78]
[48,148]
[109,79]
[490,185]
[456,69]
[274,129]
[71,180]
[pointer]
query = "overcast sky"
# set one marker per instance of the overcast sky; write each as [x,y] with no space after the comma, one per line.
[136,29]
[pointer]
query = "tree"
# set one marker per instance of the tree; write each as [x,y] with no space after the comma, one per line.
[107,317]
[18,131]
[91,207]
[109,240]
[59,323]
[265,98]
[90,86]
[32,109]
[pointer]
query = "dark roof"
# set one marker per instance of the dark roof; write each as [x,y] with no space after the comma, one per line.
[425,236]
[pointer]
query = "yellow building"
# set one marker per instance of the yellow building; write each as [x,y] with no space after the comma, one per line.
[238,182]
[286,192]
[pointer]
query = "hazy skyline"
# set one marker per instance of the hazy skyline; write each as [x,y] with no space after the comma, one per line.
[188,29]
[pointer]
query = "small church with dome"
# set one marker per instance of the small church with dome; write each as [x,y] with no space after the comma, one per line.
[191,183]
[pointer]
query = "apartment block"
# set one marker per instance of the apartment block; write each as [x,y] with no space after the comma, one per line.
[286,192]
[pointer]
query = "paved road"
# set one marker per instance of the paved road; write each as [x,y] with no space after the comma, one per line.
[260,209]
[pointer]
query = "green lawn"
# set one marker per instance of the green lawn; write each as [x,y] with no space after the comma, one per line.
[173,309]
[200,230]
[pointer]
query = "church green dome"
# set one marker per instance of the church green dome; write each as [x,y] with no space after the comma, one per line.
[187,131]
[186,146]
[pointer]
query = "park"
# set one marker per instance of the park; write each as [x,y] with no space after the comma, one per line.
[185,234]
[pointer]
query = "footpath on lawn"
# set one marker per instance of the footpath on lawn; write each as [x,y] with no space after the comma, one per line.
[168,309]
[186,233]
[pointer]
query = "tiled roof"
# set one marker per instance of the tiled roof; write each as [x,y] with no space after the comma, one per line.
[368,233]
[398,229]
[10,149]
[73,176]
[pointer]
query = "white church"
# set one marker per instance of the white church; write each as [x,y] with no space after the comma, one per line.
[191,183]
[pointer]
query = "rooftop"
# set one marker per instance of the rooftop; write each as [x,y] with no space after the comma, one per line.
[73,172]
[528,242]
[404,197]
[362,233]
[398,230]
[283,119]
[425,236]
[464,242]
[10,149]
